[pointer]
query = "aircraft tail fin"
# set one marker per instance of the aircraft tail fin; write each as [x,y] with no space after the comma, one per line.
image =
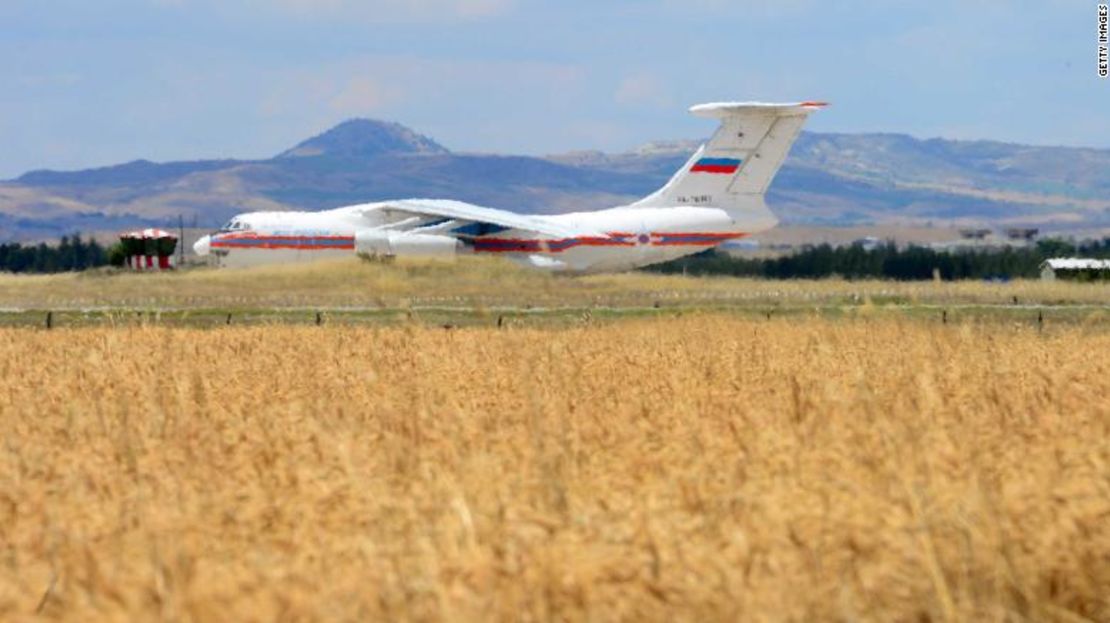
[739,161]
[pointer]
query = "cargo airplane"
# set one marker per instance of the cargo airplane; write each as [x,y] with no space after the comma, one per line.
[715,197]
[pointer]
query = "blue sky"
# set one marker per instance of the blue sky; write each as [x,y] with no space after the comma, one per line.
[94,83]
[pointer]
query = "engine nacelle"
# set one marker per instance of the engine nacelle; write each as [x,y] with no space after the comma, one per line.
[393,244]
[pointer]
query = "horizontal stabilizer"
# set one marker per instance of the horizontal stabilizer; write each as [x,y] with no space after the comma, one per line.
[719,110]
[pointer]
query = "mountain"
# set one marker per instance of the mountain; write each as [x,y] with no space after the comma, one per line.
[365,138]
[829,179]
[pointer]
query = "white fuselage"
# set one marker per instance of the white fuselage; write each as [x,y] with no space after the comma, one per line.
[629,237]
[716,196]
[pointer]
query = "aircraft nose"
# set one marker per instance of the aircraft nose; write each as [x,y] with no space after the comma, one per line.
[200,247]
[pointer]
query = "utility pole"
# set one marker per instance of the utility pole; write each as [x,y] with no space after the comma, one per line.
[180,240]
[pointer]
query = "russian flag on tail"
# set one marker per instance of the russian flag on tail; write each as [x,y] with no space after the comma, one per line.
[715,165]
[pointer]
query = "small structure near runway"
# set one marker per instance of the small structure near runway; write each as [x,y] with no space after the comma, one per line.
[1078,269]
[148,249]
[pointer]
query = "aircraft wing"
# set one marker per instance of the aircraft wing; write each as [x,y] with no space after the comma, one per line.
[461,219]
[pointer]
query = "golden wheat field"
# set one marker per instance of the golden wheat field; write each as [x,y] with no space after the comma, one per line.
[695,468]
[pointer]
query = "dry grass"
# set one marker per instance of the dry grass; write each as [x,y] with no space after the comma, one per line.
[692,469]
[488,282]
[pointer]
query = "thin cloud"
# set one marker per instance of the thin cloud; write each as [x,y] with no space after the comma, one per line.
[383,10]
[643,89]
[362,96]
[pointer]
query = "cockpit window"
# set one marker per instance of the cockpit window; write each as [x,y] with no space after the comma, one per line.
[233,225]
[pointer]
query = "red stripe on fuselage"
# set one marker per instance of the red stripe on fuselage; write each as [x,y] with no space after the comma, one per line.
[660,239]
[483,245]
[298,247]
[251,240]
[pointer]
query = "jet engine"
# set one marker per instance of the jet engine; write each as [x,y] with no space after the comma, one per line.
[377,243]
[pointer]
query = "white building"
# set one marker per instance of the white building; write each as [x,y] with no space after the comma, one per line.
[1074,267]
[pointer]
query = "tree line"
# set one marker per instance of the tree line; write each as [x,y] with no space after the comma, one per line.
[888,261]
[71,253]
